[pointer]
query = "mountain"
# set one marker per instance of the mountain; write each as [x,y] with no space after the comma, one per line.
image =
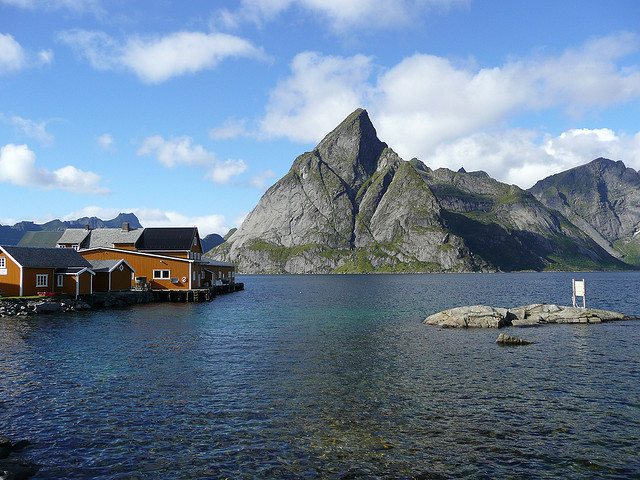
[603,199]
[353,205]
[210,241]
[11,235]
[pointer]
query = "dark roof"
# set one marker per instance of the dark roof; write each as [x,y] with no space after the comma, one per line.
[167,238]
[46,257]
[40,239]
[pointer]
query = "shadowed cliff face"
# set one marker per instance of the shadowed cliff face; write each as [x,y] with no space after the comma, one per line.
[353,205]
[601,197]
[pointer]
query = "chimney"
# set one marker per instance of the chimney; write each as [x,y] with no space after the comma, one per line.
[125,227]
[86,227]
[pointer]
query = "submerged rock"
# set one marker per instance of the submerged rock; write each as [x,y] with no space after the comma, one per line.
[504,339]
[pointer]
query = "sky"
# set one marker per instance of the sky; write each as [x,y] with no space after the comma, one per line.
[185,112]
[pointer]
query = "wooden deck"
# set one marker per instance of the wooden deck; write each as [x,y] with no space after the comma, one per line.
[196,294]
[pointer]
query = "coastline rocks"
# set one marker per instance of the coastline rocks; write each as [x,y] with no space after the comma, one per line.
[479,316]
[482,316]
[504,339]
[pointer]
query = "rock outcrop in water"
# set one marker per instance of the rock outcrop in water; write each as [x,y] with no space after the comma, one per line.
[353,205]
[482,316]
[14,468]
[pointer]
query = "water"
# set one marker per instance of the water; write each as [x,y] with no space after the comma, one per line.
[329,377]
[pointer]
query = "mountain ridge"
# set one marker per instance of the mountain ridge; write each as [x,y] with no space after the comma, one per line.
[353,205]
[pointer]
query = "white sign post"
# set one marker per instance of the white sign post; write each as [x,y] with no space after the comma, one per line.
[579,290]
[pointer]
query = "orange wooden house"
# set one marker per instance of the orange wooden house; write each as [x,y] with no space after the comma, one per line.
[26,271]
[165,258]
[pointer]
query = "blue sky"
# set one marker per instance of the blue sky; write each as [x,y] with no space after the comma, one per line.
[186,112]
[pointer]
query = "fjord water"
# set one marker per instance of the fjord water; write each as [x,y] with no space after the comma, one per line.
[329,377]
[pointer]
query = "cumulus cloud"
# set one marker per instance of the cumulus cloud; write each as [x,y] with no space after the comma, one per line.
[12,55]
[261,180]
[76,6]
[18,165]
[180,150]
[338,14]
[523,157]
[30,128]
[232,128]
[320,92]
[157,59]
[426,105]
[105,141]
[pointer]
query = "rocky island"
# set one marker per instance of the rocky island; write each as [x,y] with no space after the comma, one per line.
[483,316]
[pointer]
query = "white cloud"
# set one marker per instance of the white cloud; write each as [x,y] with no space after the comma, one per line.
[76,6]
[319,94]
[106,141]
[176,150]
[238,219]
[12,55]
[338,14]
[179,150]
[523,157]
[426,105]
[30,128]
[17,163]
[232,128]
[222,172]
[261,180]
[157,59]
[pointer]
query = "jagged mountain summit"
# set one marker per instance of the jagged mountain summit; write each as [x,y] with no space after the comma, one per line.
[603,199]
[353,205]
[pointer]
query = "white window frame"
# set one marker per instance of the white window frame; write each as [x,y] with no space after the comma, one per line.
[3,262]
[59,280]
[42,280]
[161,274]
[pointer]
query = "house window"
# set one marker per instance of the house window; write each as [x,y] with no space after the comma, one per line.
[42,280]
[3,262]
[161,274]
[59,280]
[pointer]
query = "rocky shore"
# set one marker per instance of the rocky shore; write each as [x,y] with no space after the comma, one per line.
[483,316]
[31,306]
[14,468]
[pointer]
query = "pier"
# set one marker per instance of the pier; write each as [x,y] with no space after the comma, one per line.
[196,294]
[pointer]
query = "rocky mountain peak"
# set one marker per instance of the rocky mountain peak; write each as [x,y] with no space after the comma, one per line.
[352,149]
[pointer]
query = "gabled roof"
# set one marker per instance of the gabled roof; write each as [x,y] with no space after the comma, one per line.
[167,238]
[108,265]
[73,236]
[46,257]
[209,262]
[109,237]
[43,238]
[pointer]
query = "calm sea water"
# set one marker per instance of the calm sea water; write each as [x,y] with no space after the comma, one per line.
[329,377]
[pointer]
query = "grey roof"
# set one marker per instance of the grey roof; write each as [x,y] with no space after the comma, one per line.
[73,236]
[108,237]
[167,238]
[46,257]
[104,265]
[43,238]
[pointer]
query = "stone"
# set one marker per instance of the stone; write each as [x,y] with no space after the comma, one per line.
[476,316]
[504,339]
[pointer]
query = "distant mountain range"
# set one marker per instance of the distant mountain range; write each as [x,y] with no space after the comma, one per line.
[11,235]
[353,205]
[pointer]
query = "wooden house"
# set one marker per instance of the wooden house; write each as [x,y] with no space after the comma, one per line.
[26,271]
[165,258]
